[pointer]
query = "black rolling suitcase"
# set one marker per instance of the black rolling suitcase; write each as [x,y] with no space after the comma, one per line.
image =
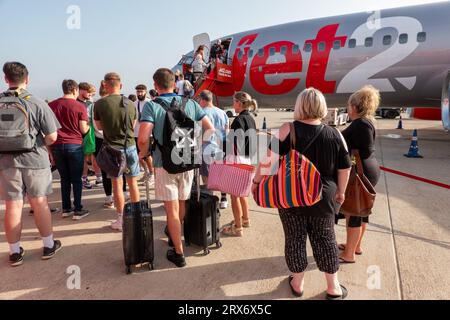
[138,246]
[202,220]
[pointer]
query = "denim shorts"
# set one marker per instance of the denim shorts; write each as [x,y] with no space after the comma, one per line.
[132,169]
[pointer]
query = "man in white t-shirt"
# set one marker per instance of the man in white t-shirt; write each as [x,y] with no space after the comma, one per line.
[142,99]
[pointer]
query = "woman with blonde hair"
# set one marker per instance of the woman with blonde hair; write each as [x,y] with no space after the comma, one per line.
[243,104]
[360,135]
[326,149]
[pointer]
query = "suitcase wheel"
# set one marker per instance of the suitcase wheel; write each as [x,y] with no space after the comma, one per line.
[128,270]
[218,244]
[206,252]
[151,267]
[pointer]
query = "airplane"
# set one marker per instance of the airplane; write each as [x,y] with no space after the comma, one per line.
[403,52]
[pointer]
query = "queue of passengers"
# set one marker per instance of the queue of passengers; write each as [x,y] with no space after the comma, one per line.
[60,130]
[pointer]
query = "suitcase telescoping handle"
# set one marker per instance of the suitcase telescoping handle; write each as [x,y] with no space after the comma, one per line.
[147,191]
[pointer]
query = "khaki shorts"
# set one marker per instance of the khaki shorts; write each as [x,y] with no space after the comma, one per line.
[16,183]
[170,187]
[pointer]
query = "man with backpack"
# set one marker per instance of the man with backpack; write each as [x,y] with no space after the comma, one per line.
[116,116]
[24,161]
[172,119]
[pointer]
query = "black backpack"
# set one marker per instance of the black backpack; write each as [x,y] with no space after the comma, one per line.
[181,147]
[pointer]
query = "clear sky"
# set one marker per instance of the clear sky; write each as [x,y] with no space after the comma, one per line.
[134,38]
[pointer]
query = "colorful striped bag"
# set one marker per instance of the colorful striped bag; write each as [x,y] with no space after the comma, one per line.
[231,178]
[285,190]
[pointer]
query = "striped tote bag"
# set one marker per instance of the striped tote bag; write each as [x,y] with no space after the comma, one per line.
[231,178]
[297,182]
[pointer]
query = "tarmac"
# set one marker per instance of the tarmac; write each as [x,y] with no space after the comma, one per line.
[406,248]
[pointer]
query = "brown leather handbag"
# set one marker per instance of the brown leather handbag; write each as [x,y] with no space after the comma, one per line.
[360,194]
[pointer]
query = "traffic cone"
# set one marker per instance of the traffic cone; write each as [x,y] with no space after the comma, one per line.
[264,126]
[400,123]
[414,149]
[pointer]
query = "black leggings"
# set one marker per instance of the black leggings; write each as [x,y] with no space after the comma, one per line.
[297,228]
[107,184]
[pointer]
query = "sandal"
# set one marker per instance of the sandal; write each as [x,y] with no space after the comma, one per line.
[232,231]
[294,292]
[342,248]
[245,223]
[340,297]
[343,261]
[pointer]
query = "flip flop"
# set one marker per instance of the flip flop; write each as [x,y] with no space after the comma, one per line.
[294,292]
[343,261]
[341,297]
[342,248]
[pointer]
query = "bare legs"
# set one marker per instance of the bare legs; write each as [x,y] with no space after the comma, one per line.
[175,211]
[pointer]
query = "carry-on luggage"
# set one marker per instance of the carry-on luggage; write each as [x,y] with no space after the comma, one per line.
[138,245]
[202,220]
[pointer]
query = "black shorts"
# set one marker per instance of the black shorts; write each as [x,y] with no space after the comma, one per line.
[353,222]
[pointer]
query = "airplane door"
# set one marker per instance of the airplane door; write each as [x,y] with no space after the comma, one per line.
[203,39]
[445,103]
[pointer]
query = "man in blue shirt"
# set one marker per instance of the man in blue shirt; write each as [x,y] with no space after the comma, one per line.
[213,149]
[172,189]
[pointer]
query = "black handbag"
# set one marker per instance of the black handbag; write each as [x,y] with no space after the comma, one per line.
[111,160]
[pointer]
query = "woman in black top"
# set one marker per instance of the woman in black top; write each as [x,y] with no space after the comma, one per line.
[329,154]
[242,103]
[360,135]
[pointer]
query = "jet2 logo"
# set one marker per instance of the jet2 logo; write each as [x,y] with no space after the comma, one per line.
[291,63]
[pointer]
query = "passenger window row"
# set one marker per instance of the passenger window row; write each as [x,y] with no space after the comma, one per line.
[368,42]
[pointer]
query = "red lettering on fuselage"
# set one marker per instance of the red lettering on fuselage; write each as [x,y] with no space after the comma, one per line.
[260,69]
[319,58]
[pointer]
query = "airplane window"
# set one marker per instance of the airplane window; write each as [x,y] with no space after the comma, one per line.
[369,42]
[352,43]
[421,37]
[296,48]
[307,47]
[283,50]
[403,38]
[240,54]
[261,52]
[337,45]
[387,40]
[250,53]
[322,46]
[272,51]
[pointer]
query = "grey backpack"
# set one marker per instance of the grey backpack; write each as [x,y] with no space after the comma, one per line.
[17,132]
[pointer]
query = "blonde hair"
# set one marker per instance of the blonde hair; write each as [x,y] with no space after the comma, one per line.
[310,105]
[366,101]
[248,103]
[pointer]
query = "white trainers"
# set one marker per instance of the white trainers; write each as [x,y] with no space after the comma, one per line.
[223,204]
[117,225]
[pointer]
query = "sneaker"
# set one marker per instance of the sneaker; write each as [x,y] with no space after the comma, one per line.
[108,205]
[91,173]
[175,258]
[117,225]
[99,182]
[166,232]
[16,259]
[52,211]
[223,204]
[78,215]
[50,252]
[87,185]
[67,213]
[151,180]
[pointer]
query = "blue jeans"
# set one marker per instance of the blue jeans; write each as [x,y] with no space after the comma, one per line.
[132,169]
[70,162]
